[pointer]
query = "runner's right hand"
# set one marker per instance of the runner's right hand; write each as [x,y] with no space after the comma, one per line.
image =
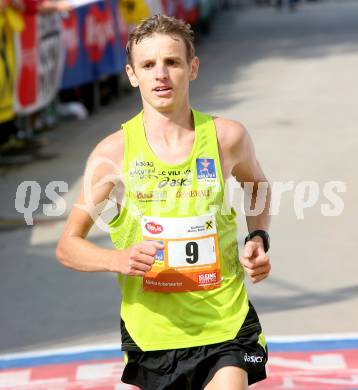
[139,258]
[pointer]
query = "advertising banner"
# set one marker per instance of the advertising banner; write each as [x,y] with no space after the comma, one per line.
[92,43]
[39,58]
[187,10]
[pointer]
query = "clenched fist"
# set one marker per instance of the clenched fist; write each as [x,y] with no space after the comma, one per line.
[139,258]
[255,261]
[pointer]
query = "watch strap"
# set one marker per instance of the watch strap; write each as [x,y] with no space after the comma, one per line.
[261,233]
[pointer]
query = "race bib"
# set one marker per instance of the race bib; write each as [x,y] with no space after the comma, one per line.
[190,260]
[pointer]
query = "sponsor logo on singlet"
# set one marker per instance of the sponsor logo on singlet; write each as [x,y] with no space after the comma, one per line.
[159,255]
[207,278]
[205,168]
[154,228]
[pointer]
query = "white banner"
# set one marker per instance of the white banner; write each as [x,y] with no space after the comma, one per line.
[40,61]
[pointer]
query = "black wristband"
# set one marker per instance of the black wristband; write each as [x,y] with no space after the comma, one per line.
[261,233]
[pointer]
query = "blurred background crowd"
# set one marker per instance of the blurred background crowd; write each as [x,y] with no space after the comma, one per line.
[63,59]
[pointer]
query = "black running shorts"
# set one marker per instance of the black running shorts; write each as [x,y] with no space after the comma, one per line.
[193,368]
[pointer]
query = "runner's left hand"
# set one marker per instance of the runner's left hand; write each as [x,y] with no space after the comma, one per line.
[255,261]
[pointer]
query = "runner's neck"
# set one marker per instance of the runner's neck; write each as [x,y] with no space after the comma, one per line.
[172,122]
[170,141]
[168,128]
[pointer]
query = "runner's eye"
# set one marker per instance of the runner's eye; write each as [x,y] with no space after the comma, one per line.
[148,65]
[171,62]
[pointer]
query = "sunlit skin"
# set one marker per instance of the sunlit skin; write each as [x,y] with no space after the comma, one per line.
[160,61]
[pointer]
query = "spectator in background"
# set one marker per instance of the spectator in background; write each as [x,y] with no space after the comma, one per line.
[11,22]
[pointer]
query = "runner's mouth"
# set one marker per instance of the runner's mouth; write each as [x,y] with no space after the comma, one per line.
[162,89]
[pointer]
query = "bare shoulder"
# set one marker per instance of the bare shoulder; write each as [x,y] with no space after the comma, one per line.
[111,147]
[231,134]
[109,152]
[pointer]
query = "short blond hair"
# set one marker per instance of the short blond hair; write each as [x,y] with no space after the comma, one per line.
[162,24]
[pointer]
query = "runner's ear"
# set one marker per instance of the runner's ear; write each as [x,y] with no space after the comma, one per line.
[131,75]
[194,68]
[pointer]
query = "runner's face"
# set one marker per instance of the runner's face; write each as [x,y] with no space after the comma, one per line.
[162,72]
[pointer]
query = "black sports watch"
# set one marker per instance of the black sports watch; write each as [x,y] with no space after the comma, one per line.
[261,233]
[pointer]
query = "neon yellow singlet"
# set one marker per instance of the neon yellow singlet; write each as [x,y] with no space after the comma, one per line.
[205,300]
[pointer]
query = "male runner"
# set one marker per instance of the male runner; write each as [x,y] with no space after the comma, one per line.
[185,318]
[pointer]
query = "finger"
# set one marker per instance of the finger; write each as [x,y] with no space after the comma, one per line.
[258,270]
[259,278]
[155,243]
[139,266]
[144,259]
[135,266]
[158,244]
[250,246]
[147,249]
[260,261]
[246,263]
[257,261]
[150,247]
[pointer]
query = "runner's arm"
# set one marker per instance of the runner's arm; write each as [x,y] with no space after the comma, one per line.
[74,250]
[239,160]
[257,191]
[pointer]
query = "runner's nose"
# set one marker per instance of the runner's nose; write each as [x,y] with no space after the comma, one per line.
[161,72]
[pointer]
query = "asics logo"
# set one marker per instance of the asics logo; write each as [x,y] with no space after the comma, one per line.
[253,359]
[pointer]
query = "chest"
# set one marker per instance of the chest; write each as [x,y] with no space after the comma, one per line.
[174,152]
